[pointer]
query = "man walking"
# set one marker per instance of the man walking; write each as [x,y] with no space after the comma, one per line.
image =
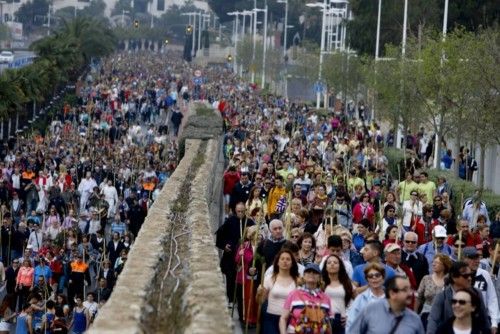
[390,315]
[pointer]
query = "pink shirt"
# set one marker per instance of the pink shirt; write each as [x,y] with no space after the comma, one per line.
[25,276]
[298,299]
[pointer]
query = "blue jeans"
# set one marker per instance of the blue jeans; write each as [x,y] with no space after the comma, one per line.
[270,323]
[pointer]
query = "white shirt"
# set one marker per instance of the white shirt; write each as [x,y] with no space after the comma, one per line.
[16,181]
[277,295]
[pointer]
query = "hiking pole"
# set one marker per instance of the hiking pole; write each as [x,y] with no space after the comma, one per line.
[459,245]
[255,239]
[259,309]
[494,258]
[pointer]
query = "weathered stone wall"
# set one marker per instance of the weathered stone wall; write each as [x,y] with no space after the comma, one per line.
[203,301]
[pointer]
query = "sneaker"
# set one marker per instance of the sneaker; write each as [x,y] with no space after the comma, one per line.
[229,305]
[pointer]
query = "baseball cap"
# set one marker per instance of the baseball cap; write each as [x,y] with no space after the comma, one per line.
[312,267]
[470,252]
[439,232]
[391,248]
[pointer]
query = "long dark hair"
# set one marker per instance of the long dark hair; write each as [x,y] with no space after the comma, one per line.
[343,279]
[294,270]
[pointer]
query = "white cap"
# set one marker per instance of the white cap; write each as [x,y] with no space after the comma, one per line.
[439,232]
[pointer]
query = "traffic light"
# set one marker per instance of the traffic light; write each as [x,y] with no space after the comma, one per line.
[189,29]
[229,58]
[136,23]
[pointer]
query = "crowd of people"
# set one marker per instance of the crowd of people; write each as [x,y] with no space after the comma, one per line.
[320,237]
[73,198]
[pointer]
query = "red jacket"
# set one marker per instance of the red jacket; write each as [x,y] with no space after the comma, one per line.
[359,213]
[471,240]
[419,228]
[230,180]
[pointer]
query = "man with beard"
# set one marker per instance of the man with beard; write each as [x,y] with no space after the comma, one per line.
[228,237]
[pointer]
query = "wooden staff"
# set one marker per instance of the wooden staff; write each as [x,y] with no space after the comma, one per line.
[494,258]
[288,216]
[84,287]
[460,245]
[254,258]
[259,309]
[400,228]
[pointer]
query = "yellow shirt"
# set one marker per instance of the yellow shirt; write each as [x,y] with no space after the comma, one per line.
[274,196]
[428,188]
[405,188]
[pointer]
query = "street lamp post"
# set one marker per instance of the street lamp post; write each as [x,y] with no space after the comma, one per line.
[377,40]
[235,37]
[265,50]
[254,38]
[405,22]
[322,46]
[285,30]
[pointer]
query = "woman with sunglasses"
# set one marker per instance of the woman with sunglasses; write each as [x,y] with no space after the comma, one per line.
[364,210]
[375,275]
[460,277]
[431,285]
[465,305]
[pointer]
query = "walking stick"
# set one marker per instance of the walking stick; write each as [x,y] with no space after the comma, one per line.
[84,287]
[8,249]
[257,232]
[460,245]
[494,258]
[259,309]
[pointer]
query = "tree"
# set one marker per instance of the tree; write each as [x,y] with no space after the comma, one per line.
[422,15]
[483,120]
[33,13]
[396,96]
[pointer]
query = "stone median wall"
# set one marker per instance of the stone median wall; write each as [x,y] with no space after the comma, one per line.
[203,302]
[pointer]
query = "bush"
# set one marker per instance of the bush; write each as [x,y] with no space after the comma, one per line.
[461,188]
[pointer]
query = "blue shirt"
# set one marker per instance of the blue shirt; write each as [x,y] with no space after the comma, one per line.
[42,271]
[428,250]
[377,318]
[358,275]
[358,241]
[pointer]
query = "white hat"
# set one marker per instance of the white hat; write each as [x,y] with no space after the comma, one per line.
[439,232]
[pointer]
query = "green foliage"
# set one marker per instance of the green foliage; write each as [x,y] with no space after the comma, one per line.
[61,58]
[32,14]
[423,15]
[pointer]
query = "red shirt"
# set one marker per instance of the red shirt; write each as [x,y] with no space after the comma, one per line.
[230,180]
[419,228]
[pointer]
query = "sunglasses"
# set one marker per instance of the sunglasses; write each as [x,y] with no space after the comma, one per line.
[410,242]
[459,301]
[295,236]
[469,275]
[374,275]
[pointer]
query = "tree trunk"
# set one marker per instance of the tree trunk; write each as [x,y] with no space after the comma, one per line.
[456,151]
[482,158]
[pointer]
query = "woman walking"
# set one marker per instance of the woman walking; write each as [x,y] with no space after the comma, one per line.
[276,289]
